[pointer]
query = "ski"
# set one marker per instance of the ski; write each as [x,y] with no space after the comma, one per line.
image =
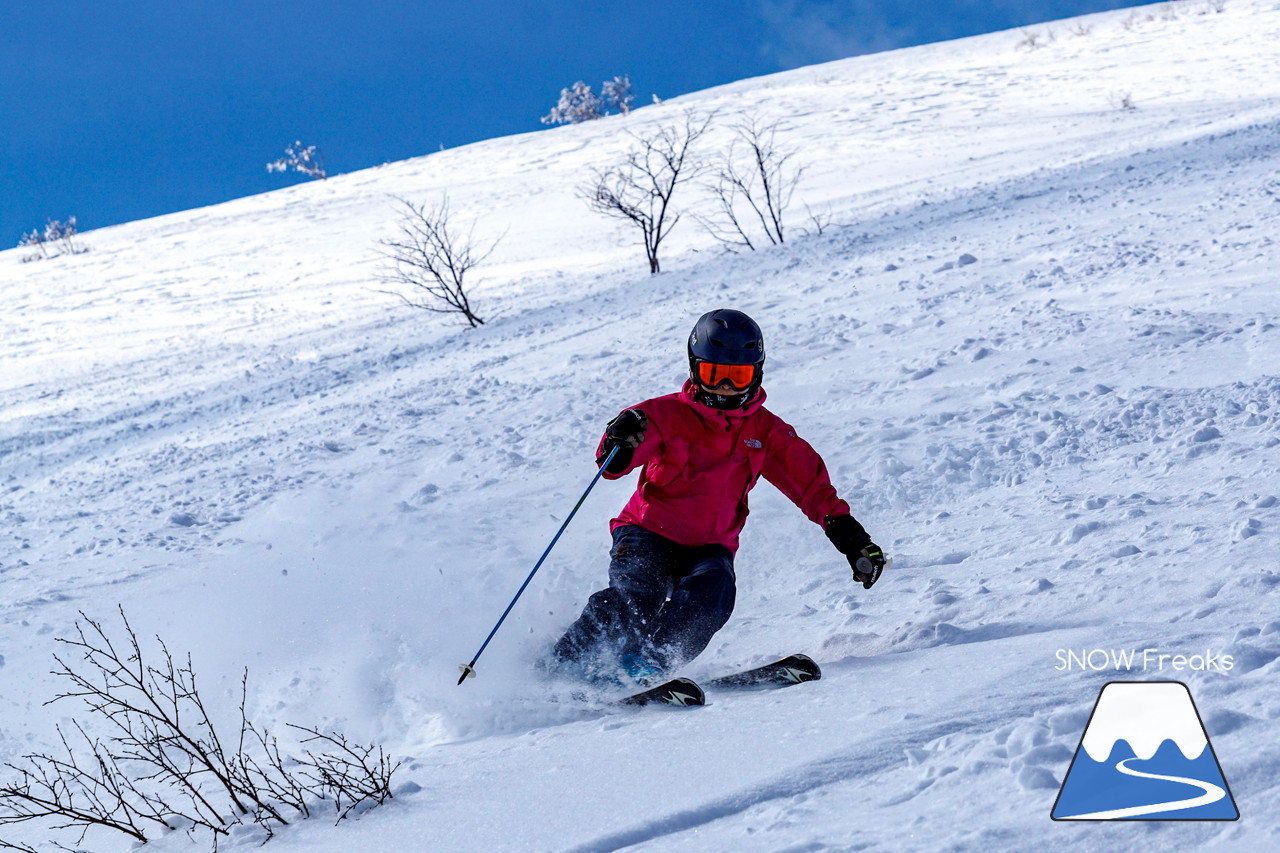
[793,669]
[680,692]
[685,693]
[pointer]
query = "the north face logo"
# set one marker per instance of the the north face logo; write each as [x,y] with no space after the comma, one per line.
[753,442]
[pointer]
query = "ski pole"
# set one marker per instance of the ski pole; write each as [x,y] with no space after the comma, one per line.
[469,670]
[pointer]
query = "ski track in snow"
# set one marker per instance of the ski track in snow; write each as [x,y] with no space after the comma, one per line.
[855,762]
[1070,442]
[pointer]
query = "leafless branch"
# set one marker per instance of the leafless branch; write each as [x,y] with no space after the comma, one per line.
[753,185]
[819,221]
[164,765]
[432,256]
[354,775]
[640,189]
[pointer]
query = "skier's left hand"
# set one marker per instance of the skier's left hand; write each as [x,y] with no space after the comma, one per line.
[850,538]
[867,568]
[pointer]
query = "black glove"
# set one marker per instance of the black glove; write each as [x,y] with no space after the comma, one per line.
[624,432]
[865,557]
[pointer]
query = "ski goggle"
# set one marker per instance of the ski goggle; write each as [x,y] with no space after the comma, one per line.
[740,376]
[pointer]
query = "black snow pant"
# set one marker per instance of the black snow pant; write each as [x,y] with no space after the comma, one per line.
[664,602]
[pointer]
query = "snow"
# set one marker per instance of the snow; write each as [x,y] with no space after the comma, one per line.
[1144,716]
[1069,442]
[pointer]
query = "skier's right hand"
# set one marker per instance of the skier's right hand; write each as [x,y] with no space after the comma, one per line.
[624,432]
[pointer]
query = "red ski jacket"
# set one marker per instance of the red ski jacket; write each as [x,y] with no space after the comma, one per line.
[700,463]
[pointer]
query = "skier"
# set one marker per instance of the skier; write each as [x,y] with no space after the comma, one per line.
[702,449]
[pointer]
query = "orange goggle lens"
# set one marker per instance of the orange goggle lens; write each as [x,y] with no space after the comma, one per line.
[740,376]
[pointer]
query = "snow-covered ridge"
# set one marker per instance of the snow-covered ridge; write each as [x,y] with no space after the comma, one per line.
[216,420]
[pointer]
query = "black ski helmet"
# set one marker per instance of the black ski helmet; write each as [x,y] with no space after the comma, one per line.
[726,336]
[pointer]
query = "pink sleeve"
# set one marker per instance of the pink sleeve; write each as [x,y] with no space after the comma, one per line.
[798,471]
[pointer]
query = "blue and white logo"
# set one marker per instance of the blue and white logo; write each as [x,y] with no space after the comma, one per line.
[1145,756]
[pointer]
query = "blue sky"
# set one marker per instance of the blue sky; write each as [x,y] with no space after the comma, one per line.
[126,109]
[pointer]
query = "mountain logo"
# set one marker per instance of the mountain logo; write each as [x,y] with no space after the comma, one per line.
[1145,755]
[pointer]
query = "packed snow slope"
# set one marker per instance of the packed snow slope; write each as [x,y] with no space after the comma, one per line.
[1069,439]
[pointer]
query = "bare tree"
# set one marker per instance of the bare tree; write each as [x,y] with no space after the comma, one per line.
[639,190]
[432,256]
[753,185]
[164,765]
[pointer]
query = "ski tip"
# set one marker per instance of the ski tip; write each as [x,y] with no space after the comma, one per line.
[678,693]
[686,692]
[792,669]
[813,671]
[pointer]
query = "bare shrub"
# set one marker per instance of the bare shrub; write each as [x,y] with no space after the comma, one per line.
[752,186]
[33,240]
[639,190]
[63,234]
[1121,101]
[819,220]
[431,257]
[60,236]
[164,766]
[304,159]
[1031,40]
[354,776]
